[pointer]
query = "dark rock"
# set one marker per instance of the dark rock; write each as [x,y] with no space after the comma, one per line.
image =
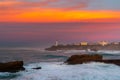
[116,61]
[79,59]
[37,68]
[12,66]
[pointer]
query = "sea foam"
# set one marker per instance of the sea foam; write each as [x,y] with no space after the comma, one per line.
[60,71]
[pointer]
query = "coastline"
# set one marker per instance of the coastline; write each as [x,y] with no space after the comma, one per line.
[60,71]
[50,70]
[86,47]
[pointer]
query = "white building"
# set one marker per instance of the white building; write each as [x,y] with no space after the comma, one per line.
[56,43]
[84,43]
[103,43]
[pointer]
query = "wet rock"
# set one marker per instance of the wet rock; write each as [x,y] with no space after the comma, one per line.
[79,59]
[12,66]
[85,58]
[116,61]
[37,68]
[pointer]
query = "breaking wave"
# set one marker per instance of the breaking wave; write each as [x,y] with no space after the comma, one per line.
[60,71]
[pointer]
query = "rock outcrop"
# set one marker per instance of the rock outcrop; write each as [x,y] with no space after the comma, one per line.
[85,58]
[11,66]
[37,68]
[79,59]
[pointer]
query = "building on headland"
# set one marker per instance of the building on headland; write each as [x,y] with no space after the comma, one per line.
[103,43]
[84,43]
[56,43]
[81,43]
[115,43]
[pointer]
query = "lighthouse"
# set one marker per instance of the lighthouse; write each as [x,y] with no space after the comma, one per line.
[56,43]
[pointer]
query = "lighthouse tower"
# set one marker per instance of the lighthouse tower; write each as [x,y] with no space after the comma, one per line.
[56,43]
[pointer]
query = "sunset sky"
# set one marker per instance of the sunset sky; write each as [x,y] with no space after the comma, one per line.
[42,22]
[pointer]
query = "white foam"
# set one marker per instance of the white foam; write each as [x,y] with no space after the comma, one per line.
[74,51]
[89,51]
[108,52]
[58,71]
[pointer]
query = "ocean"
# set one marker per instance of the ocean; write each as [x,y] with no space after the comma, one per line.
[54,68]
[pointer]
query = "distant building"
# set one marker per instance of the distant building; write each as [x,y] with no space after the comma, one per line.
[103,43]
[83,43]
[56,43]
[115,43]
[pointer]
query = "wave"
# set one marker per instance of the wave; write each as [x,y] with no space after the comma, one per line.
[60,71]
[74,51]
[89,51]
[109,52]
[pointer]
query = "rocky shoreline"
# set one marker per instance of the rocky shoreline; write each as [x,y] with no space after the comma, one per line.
[14,66]
[86,58]
[78,47]
[17,66]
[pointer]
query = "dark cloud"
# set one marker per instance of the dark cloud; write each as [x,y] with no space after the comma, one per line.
[62,4]
[13,7]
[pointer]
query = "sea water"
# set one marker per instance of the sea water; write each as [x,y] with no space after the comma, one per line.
[60,71]
[54,68]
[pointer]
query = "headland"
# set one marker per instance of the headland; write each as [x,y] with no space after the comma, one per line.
[86,46]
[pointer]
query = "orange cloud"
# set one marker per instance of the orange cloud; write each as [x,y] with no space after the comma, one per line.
[46,11]
[53,15]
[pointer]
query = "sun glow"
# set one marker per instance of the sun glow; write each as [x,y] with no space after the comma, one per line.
[53,15]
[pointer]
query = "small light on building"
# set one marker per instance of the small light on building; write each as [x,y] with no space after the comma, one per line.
[103,43]
[84,43]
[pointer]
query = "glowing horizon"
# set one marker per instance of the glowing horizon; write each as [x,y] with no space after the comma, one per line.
[62,16]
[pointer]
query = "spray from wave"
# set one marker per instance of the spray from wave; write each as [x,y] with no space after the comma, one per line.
[59,71]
